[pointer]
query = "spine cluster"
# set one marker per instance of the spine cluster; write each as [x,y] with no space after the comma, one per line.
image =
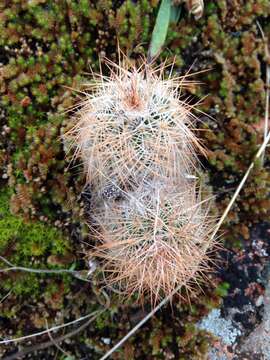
[135,137]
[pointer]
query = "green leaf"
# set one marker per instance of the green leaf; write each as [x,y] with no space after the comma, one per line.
[175,13]
[160,29]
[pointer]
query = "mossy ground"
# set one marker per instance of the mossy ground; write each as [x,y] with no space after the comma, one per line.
[46,47]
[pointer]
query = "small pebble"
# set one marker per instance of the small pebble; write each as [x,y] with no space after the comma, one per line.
[259,301]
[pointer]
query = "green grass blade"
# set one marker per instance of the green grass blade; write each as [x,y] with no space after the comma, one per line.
[160,29]
[175,13]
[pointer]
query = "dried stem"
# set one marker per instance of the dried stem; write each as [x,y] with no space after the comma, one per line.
[92,315]
[267,85]
[12,267]
[47,344]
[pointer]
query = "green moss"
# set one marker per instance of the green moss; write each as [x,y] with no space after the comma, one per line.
[30,239]
[222,289]
[24,284]
[27,244]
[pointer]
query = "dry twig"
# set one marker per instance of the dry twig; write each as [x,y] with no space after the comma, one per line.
[42,346]
[267,84]
[12,267]
[92,315]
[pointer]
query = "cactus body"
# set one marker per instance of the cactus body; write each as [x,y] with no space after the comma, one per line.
[134,135]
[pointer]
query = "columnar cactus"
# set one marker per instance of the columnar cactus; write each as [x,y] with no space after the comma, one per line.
[134,135]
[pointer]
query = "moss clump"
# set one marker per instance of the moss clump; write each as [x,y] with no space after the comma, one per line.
[27,244]
[27,240]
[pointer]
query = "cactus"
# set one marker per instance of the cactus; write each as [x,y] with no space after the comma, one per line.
[134,126]
[154,239]
[134,133]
